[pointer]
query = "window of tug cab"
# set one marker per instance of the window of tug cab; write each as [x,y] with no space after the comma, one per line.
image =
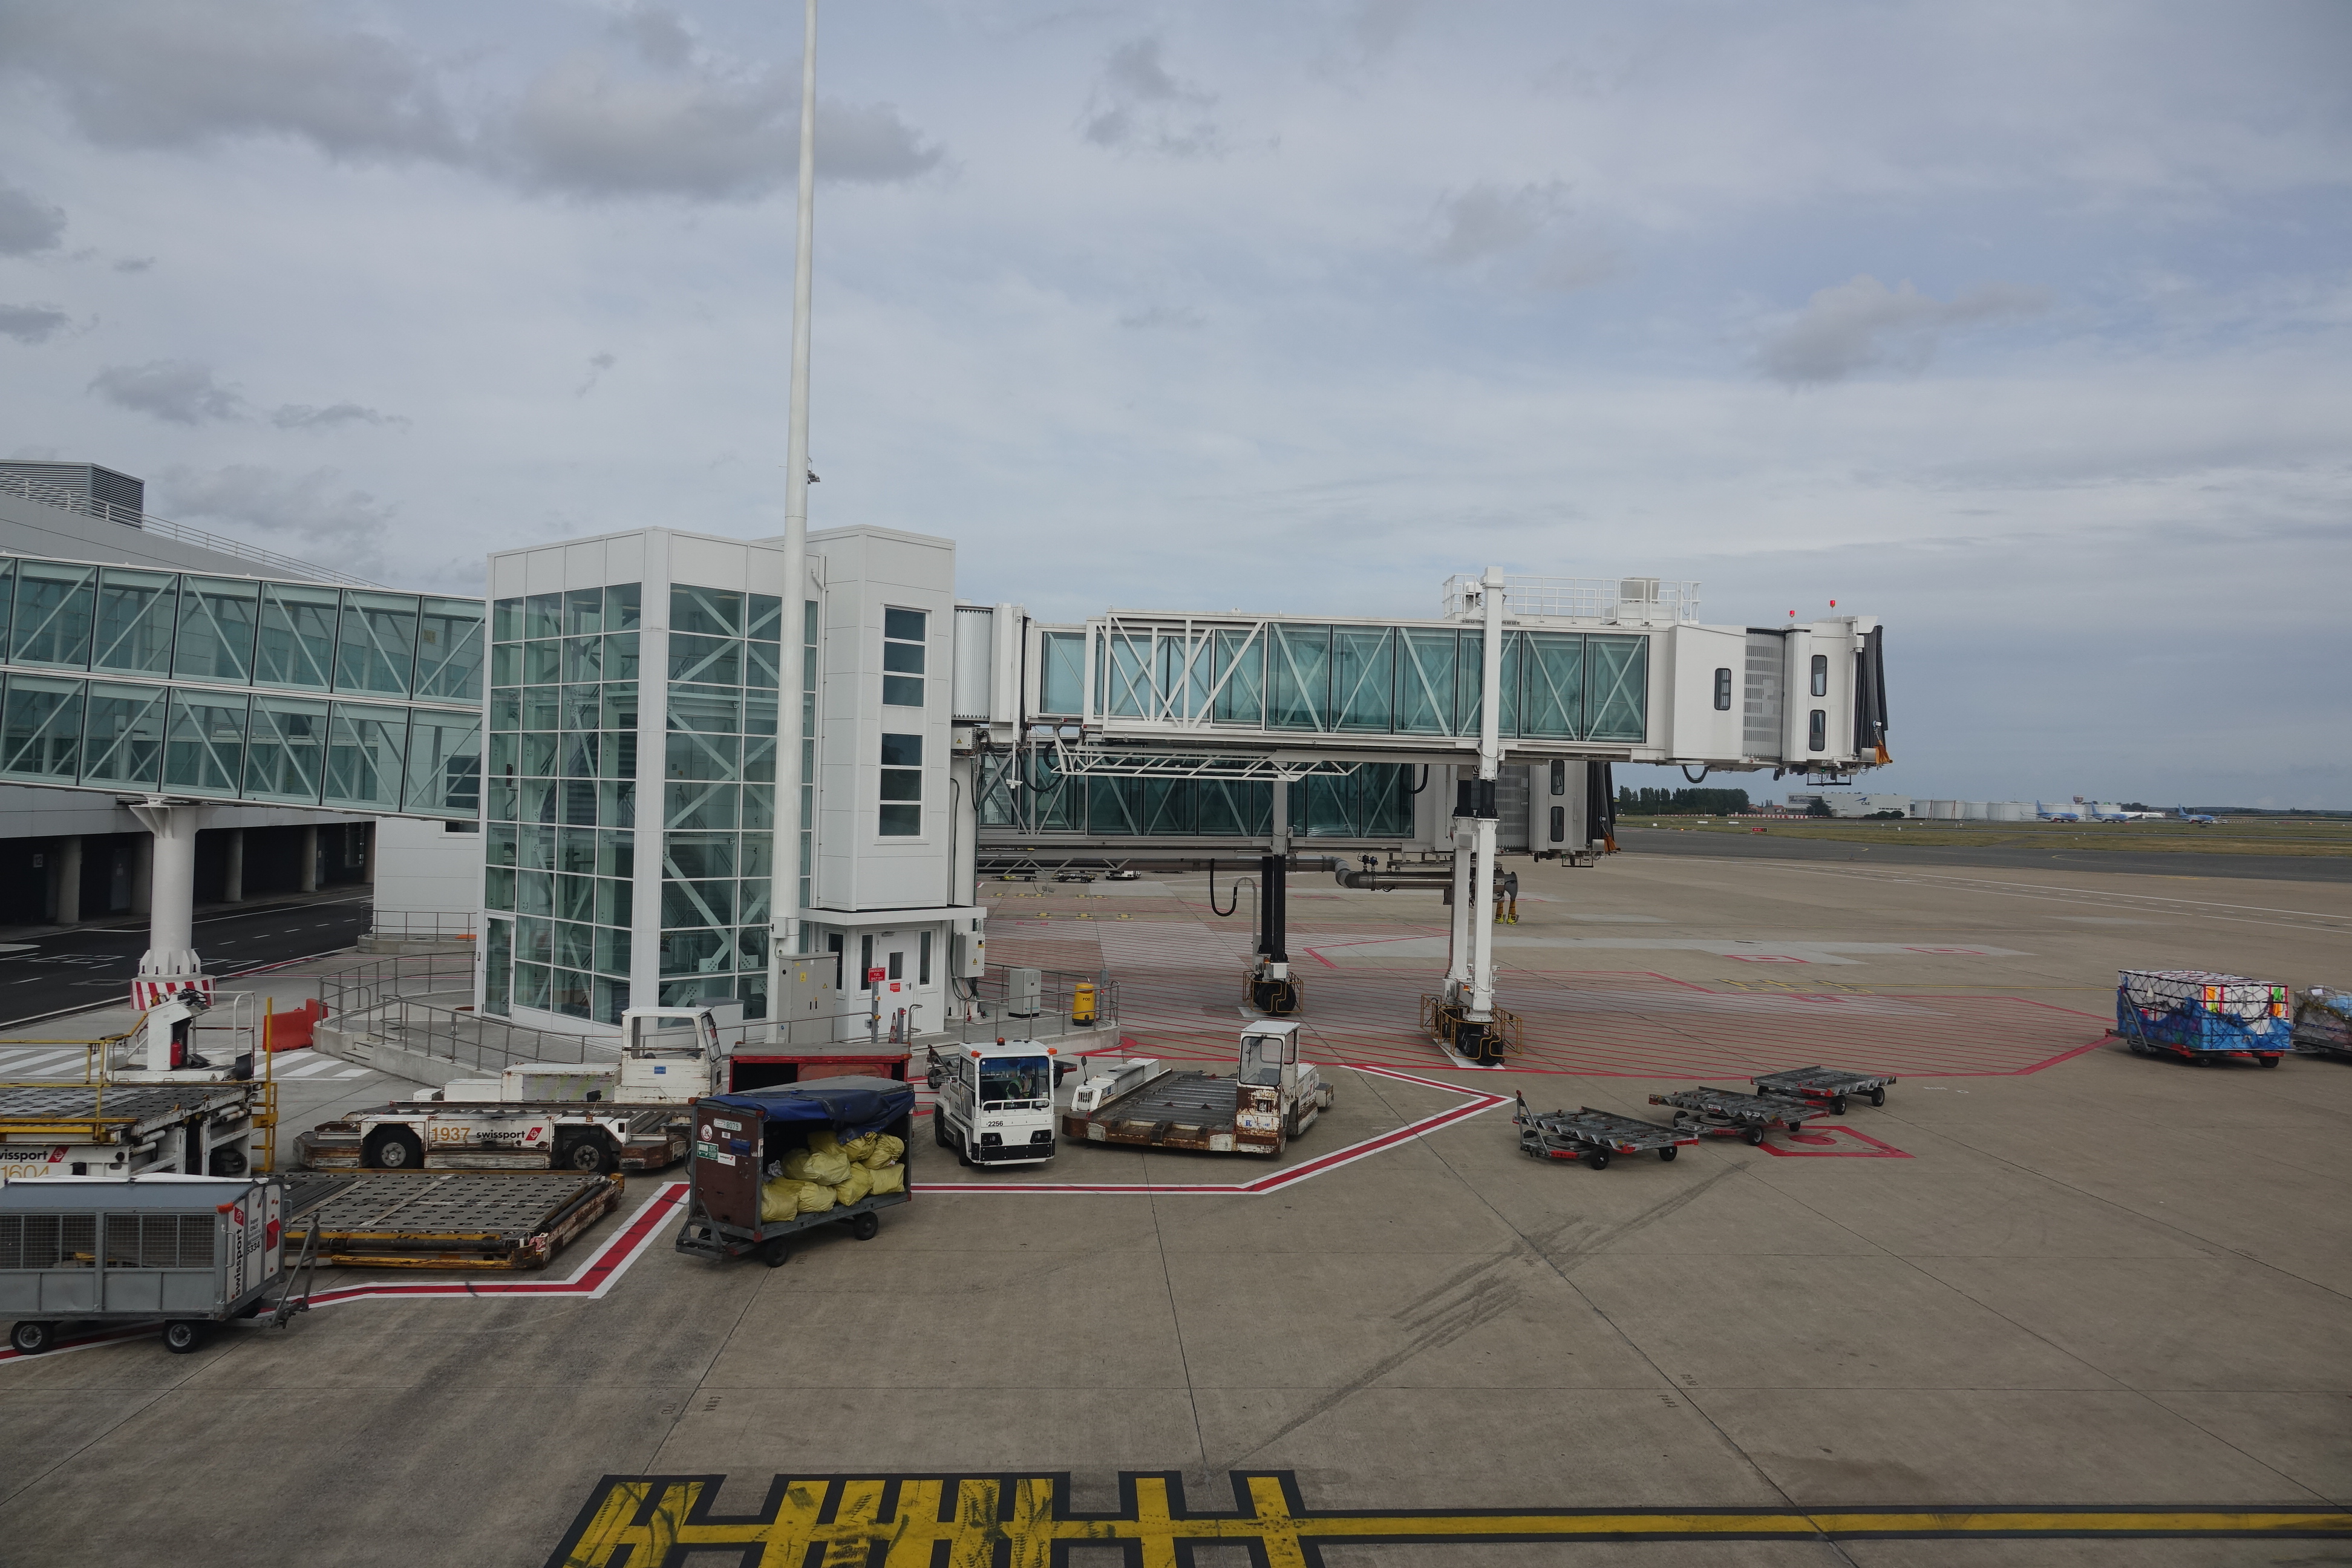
[1017,1083]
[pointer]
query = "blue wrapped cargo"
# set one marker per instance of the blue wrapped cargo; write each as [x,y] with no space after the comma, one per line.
[2198,1015]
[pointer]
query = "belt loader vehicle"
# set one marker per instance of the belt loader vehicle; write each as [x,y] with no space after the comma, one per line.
[192,1251]
[994,1103]
[635,1114]
[1272,1097]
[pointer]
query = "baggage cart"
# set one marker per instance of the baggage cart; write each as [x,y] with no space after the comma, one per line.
[1595,1137]
[190,1251]
[447,1219]
[2323,1022]
[1831,1087]
[739,1138]
[2196,1015]
[1727,1114]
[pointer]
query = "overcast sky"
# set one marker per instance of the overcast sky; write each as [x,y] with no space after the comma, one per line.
[2024,327]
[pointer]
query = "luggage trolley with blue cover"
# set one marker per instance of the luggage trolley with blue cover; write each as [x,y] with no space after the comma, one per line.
[738,1136]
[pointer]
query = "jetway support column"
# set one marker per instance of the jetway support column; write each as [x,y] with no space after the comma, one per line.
[1271,988]
[171,963]
[1476,1036]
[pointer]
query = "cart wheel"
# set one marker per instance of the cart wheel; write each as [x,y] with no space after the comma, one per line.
[32,1339]
[393,1149]
[963,1155]
[1754,1135]
[1837,1105]
[1668,1152]
[181,1336]
[866,1226]
[1597,1159]
[2269,1061]
[590,1154]
[938,1128]
[2136,1047]
[773,1251]
[1877,1096]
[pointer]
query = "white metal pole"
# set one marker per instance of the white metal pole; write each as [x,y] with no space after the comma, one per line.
[1490,765]
[786,897]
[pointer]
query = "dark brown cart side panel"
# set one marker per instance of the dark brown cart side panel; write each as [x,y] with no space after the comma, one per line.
[726,1168]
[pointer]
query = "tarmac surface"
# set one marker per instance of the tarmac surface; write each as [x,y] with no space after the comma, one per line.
[1989,856]
[2052,1304]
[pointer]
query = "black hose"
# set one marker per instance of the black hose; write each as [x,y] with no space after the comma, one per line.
[1231,904]
[1425,781]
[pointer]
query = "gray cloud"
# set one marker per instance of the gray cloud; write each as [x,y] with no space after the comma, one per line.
[312,416]
[1857,326]
[31,323]
[175,390]
[184,73]
[1529,224]
[27,224]
[598,363]
[1181,318]
[135,264]
[309,509]
[1138,104]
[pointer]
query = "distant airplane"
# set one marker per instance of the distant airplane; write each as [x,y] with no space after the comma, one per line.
[2124,814]
[2185,815]
[2056,814]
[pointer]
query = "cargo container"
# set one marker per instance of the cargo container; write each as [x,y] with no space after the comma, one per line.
[2200,1016]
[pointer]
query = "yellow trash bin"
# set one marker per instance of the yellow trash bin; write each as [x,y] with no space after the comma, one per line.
[1082,1004]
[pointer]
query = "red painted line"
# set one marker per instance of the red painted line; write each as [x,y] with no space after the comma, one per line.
[1320,959]
[1830,1135]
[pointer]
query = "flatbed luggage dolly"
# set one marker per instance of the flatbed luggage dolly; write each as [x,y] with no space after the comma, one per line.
[1727,1114]
[1592,1136]
[1825,1085]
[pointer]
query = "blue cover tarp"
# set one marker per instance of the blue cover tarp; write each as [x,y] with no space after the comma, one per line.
[855,1106]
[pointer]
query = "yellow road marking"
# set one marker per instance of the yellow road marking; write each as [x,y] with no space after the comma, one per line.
[638,1522]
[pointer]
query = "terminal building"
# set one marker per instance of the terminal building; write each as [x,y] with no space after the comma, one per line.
[589,752]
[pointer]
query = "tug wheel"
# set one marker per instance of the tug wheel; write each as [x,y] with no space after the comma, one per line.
[393,1149]
[590,1154]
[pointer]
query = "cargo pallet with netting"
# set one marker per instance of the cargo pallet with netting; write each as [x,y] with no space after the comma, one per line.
[1727,1114]
[2200,1016]
[1595,1137]
[2323,1022]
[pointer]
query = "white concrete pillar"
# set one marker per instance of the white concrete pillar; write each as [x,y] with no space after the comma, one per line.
[64,874]
[309,858]
[233,868]
[171,931]
[1457,940]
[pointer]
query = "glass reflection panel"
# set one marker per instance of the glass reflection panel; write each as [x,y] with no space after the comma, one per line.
[583,611]
[712,660]
[204,746]
[1425,681]
[621,606]
[218,619]
[1237,671]
[296,642]
[542,616]
[445,765]
[1298,687]
[136,611]
[54,602]
[449,650]
[377,648]
[1363,678]
[706,612]
[40,728]
[699,806]
[1617,701]
[1062,682]
[1552,685]
[122,736]
[506,621]
[364,750]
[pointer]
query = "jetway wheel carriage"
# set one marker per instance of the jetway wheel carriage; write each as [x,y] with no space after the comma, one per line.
[1490,1043]
[1275,998]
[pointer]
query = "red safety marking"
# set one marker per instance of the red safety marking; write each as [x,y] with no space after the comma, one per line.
[1765,958]
[1824,1146]
[1320,959]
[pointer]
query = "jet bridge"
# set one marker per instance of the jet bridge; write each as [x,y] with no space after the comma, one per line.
[1528,669]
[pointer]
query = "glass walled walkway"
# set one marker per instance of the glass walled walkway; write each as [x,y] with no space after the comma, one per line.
[239,688]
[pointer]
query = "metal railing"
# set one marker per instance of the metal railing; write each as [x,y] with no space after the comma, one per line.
[979,1009]
[418,925]
[424,1003]
[164,528]
[1583,598]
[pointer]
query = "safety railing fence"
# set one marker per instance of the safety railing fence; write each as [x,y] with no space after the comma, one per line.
[463,1038]
[164,528]
[982,1010]
[418,924]
[418,977]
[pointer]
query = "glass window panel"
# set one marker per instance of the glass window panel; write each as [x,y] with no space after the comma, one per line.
[506,664]
[575,850]
[621,656]
[698,952]
[583,611]
[1363,678]
[697,903]
[575,899]
[714,660]
[612,1000]
[612,901]
[577,755]
[7,595]
[615,853]
[1298,687]
[762,666]
[506,707]
[498,888]
[1515,660]
[697,857]
[903,690]
[539,753]
[767,618]
[449,650]
[538,800]
[1235,809]
[708,710]
[902,784]
[1552,685]
[759,716]
[542,616]
[621,607]
[1237,671]
[760,762]
[543,707]
[1469,681]
[579,802]
[444,763]
[40,733]
[1126,672]
[1425,681]
[535,892]
[532,984]
[620,706]
[1329,806]
[203,747]
[499,941]
[760,806]
[617,803]
[365,747]
[905,657]
[618,755]
[498,847]
[288,753]
[701,807]
[376,649]
[136,613]
[297,640]
[1164,805]
[1617,700]
[901,821]
[581,708]
[751,950]
[1384,799]
[1111,806]
[758,855]
[584,658]
[542,661]
[1062,682]
[717,757]
[535,847]
[506,621]
[752,895]
[502,798]
[54,610]
[710,612]
[904,625]
[122,736]
[573,994]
